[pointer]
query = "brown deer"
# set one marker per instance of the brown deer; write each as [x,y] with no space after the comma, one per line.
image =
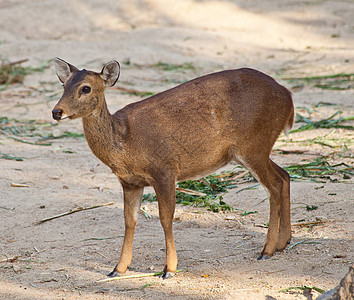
[182,133]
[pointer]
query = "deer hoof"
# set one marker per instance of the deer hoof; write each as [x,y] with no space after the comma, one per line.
[114,273]
[264,257]
[167,275]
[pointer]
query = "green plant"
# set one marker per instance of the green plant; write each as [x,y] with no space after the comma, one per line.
[329,122]
[340,81]
[35,132]
[318,168]
[204,192]
[171,67]
[13,72]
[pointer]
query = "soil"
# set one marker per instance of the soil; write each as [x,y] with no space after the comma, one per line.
[63,258]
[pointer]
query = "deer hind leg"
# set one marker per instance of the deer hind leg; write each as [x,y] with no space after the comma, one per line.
[285,224]
[166,197]
[274,181]
[132,201]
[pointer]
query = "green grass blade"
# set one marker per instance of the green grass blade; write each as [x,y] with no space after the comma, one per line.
[10,157]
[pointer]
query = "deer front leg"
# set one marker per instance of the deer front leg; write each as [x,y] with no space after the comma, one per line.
[132,201]
[166,197]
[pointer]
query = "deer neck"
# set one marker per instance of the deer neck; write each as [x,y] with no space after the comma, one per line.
[102,133]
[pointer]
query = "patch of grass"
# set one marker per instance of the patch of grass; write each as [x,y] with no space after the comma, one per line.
[66,134]
[304,242]
[10,157]
[38,143]
[149,197]
[311,207]
[329,122]
[14,72]
[134,92]
[340,81]
[68,151]
[207,192]
[140,94]
[319,168]
[32,132]
[327,140]
[303,288]
[212,203]
[171,67]
[211,185]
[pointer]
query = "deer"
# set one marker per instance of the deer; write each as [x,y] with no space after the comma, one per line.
[185,132]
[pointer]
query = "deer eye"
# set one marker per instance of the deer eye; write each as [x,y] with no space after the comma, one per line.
[86,89]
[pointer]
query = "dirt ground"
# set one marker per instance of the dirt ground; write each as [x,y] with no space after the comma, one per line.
[63,258]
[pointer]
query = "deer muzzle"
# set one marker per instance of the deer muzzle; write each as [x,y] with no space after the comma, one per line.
[57,114]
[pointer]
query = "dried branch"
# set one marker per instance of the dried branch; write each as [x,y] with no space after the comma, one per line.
[309,223]
[14,63]
[73,211]
[132,91]
[134,276]
[190,192]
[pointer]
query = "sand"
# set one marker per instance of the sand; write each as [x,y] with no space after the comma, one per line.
[63,258]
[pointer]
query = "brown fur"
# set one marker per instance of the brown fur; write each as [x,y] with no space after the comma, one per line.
[185,132]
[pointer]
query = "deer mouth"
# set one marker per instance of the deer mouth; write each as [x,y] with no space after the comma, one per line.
[65,116]
[59,115]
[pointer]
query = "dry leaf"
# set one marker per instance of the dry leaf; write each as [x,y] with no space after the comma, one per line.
[13,184]
[190,192]
[239,175]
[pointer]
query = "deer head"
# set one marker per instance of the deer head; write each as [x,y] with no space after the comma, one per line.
[82,89]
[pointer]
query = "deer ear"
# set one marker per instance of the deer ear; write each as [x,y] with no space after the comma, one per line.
[110,73]
[63,69]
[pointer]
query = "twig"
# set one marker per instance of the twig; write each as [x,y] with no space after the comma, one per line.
[130,276]
[309,223]
[282,151]
[303,288]
[134,289]
[146,214]
[240,175]
[101,239]
[73,211]
[66,278]
[13,184]
[247,188]
[190,192]
[261,226]
[14,63]
[134,276]
[12,259]
[3,207]
[223,175]
[303,242]
[130,91]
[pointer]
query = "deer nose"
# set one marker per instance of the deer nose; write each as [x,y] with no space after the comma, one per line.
[57,114]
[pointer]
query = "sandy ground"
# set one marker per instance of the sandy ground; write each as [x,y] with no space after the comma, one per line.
[63,258]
